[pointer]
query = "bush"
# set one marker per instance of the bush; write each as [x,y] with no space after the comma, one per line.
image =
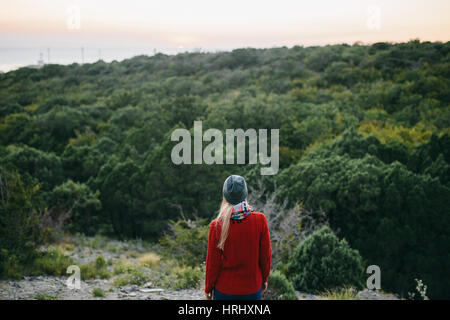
[129,274]
[94,270]
[80,205]
[137,278]
[45,296]
[279,288]
[188,277]
[20,233]
[100,263]
[324,262]
[10,267]
[187,242]
[124,266]
[51,262]
[388,205]
[99,293]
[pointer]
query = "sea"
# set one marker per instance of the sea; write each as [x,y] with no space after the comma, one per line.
[12,58]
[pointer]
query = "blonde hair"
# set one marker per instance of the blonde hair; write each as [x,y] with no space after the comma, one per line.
[226,209]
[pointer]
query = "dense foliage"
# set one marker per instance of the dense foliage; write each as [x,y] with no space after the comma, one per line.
[186,242]
[397,218]
[279,288]
[323,262]
[364,136]
[20,232]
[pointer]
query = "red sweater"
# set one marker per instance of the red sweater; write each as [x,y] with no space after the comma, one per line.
[244,264]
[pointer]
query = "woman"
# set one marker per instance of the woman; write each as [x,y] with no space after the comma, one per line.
[239,252]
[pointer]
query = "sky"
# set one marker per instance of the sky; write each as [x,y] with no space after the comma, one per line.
[217,25]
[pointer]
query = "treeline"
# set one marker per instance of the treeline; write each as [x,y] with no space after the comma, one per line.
[364,136]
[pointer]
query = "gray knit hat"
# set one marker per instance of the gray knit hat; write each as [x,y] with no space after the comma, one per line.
[235,189]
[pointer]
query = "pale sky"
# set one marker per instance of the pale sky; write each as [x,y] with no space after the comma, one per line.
[222,24]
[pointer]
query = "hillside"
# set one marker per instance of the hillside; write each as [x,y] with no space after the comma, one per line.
[364,143]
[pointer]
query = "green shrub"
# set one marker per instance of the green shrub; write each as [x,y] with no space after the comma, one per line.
[279,288]
[137,278]
[88,271]
[10,267]
[188,277]
[129,274]
[187,242]
[100,262]
[95,270]
[389,201]
[20,217]
[97,292]
[45,296]
[280,266]
[83,205]
[324,262]
[51,262]
[124,266]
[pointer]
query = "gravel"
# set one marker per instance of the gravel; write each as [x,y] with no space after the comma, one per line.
[55,287]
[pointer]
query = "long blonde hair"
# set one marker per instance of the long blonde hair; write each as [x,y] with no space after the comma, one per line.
[226,209]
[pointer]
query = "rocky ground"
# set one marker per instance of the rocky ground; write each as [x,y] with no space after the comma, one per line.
[46,287]
[365,294]
[84,250]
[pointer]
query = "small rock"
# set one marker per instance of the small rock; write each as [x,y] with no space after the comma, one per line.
[145,290]
[129,289]
[367,294]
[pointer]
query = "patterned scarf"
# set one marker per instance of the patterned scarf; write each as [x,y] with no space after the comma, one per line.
[240,211]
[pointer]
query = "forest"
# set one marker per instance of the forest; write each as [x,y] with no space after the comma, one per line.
[364,144]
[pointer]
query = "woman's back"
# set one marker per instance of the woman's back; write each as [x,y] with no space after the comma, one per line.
[244,263]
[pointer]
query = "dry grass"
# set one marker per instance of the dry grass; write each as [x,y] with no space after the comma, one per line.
[149,259]
[341,294]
